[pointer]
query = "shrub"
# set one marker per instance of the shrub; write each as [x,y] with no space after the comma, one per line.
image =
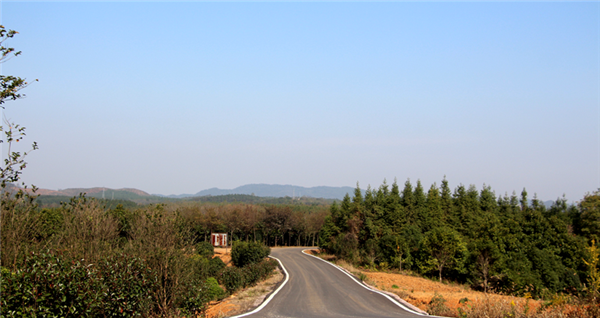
[214,291]
[244,253]
[256,272]
[232,278]
[215,266]
[194,298]
[437,306]
[47,285]
[205,249]
[126,286]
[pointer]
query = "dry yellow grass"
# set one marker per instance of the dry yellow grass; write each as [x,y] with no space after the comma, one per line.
[461,301]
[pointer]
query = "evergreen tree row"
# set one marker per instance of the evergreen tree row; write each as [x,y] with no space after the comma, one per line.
[505,243]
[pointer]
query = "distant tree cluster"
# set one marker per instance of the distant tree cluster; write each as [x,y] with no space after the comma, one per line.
[504,243]
[55,201]
[270,224]
[252,199]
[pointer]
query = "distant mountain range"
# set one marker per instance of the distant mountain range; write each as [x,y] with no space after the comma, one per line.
[94,192]
[259,190]
[276,191]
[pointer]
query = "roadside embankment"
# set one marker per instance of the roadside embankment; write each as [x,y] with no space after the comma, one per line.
[453,300]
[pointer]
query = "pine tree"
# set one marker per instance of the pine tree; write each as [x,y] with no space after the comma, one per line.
[447,205]
[420,205]
[408,202]
[433,212]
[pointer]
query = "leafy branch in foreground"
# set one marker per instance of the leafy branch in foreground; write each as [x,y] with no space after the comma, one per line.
[9,90]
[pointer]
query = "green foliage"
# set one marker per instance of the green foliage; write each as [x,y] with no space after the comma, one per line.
[509,244]
[256,272]
[205,249]
[244,253]
[127,282]
[195,297]
[394,250]
[590,216]
[124,219]
[216,265]
[445,249]
[47,285]
[50,223]
[214,291]
[234,278]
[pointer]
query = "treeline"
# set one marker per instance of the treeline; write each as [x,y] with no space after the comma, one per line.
[252,199]
[52,201]
[55,201]
[273,225]
[505,243]
[81,259]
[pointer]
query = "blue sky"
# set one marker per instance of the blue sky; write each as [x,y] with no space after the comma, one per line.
[175,98]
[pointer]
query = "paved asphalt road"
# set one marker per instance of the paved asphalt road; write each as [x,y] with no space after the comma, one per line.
[317,289]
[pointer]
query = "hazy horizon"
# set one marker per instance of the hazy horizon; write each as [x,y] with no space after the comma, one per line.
[174,98]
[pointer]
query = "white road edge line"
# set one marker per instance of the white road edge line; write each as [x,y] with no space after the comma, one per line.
[367,288]
[264,303]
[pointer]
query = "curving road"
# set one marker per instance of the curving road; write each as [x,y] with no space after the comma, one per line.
[317,289]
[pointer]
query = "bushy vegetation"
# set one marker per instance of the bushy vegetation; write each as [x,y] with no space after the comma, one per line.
[47,285]
[80,259]
[205,249]
[508,244]
[246,253]
[234,278]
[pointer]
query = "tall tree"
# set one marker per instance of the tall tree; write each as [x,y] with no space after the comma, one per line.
[446,201]
[394,214]
[590,216]
[524,200]
[408,202]
[420,204]
[433,216]
[445,248]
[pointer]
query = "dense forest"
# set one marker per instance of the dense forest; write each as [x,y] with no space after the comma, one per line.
[505,243]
